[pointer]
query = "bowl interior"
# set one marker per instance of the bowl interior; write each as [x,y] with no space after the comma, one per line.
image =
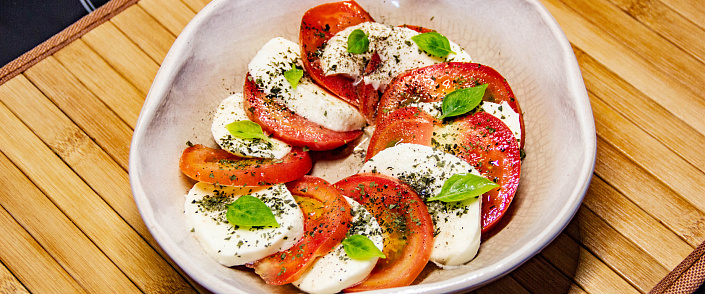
[516,37]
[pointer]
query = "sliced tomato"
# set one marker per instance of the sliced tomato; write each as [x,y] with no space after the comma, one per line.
[432,83]
[319,24]
[210,165]
[485,142]
[406,225]
[326,221]
[288,126]
[405,125]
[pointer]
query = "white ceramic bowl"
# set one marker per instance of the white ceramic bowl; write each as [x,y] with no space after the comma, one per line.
[519,38]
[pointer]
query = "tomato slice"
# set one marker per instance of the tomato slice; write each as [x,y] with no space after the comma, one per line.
[406,224]
[288,126]
[488,144]
[319,24]
[432,83]
[406,125]
[213,166]
[326,220]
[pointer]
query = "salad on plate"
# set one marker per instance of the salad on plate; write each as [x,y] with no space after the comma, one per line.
[437,139]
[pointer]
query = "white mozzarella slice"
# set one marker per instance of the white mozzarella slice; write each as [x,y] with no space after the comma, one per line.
[232,109]
[397,53]
[456,224]
[307,99]
[506,114]
[336,271]
[205,208]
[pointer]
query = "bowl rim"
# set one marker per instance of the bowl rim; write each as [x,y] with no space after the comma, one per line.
[576,89]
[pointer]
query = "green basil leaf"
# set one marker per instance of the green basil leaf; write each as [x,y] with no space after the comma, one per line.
[433,43]
[358,42]
[250,211]
[246,129]
[463,186]
[361,247]
[294,75]
[461,101]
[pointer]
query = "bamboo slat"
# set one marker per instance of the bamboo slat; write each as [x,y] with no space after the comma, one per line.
[642,111]
[668,23]
[82,106]
[196,5]
[173,15]
[123,55]
[629,219]
[42,215]
[9,283]
[679,175]
[692,10]
[618,252]
[586,270]
[664,55]
[99,222]
[18,247]
[145,31]
[630,66]
[650,194]
[102,80]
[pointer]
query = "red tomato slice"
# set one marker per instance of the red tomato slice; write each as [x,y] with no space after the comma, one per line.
[319,24]
[407,227]
[326,220]
[406,125]
[219,166]
[485,142]
[288,126]
[432,83]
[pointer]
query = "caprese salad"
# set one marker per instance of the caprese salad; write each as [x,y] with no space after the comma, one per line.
[442,137]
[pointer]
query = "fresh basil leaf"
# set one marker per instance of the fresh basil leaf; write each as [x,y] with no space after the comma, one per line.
[361,247]
[463,186]
[358,42]
[294,75]
[250,211]
[433,43]
[246,129]
[461,101]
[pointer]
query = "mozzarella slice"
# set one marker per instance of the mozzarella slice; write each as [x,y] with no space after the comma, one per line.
[205,208]
[456,224]
[232,109]
[336,271]
[502,111]
[307,99]
[397,53]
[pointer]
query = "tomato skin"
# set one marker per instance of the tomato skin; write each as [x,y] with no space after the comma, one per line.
[405,125]
[324,228]
[319,24]
[432,83]
[495,154]
[211,165]
[288,126]
[390,200]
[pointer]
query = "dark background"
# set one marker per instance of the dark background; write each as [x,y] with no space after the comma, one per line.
[25,24]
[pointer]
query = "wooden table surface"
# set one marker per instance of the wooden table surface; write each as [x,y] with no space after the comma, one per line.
[69,223]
